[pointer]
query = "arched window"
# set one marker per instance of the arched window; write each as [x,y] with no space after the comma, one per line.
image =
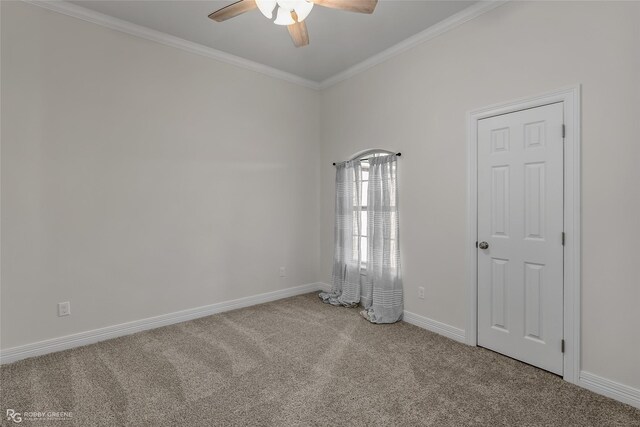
[366,267]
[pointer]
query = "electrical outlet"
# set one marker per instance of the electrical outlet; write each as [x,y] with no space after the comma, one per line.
[283,272]
[421,292]
[64,308]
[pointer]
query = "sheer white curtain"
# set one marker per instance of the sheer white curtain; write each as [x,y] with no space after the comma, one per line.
[347,255]
[382,295]
[375,284]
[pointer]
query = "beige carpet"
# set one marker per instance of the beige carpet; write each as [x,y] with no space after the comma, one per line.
[296,362]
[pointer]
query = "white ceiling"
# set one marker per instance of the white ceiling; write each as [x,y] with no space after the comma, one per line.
[338,39]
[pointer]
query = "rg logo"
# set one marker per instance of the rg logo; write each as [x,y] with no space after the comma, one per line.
[14,416]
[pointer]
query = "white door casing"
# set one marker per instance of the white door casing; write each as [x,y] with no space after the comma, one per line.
[570,97]
[520,216]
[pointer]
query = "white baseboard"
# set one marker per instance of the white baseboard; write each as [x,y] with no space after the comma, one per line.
[324,287]
[615,390]
[89,337]
[595,383]
[422,322]
[443,329]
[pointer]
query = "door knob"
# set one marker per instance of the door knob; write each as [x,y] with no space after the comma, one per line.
[483,245]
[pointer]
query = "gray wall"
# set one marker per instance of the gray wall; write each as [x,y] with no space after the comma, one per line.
[139,180]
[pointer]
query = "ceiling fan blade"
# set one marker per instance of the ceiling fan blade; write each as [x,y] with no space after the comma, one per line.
[234,9]
[299,34]
[360,6]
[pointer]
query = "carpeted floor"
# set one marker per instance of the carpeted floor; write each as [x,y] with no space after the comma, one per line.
[296,362]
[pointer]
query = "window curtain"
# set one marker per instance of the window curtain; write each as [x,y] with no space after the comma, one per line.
[347,255]
[382,295]
[378,289]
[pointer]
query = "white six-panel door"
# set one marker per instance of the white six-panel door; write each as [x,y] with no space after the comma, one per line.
[520,219]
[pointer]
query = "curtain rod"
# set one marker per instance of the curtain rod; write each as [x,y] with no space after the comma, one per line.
[362,160]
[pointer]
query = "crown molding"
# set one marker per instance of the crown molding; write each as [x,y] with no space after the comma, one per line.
[89,15]
[441,27]
[435,30]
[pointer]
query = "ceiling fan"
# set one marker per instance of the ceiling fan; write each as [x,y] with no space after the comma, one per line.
[291,13]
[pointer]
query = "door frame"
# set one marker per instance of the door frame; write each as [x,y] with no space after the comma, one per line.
[570,96]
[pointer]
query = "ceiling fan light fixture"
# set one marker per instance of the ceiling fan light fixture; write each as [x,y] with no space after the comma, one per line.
[283,17]
[266,7]
[303,8]
[290,13]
